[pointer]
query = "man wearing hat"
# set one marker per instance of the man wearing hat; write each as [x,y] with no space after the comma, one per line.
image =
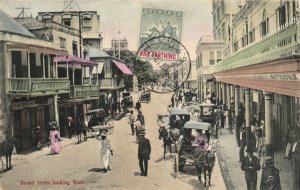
[270,176]
[106,151]
[144,152]
[250,165]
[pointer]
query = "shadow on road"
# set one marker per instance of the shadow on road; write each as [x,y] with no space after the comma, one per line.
[96,170]
[136,173]
[197,184]
[168,157]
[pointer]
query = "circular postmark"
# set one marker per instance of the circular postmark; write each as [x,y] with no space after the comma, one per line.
[170,61]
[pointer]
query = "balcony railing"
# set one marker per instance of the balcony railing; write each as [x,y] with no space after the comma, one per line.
[111,83]
[84,91]
[280,44]
[38,86]
[62,28]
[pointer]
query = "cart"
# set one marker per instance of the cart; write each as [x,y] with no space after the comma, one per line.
[97,123]
[127,100]
[145,97]
[194,156]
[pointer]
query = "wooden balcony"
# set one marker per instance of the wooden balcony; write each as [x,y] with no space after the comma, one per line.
[84,91]
[111,83]
[280,44]
[38,86]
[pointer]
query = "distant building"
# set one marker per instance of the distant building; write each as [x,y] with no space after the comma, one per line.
[88,25]
[192,82]
[61,36]
[117,44]
[209,53]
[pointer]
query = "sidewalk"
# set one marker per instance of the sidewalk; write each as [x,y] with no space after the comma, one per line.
[27,155]
[234,178]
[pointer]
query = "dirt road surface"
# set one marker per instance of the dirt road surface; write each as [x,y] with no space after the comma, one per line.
[77,166]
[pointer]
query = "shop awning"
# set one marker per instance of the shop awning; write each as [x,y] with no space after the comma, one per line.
[123,68]
[75,59]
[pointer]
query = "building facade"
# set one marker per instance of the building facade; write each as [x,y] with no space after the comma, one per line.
[262,72]
[84,91]
[30,83]
[209,54]
[87,23]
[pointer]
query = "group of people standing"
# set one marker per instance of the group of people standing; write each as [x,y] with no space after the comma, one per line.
[54,138]
[113,103]
[144,147]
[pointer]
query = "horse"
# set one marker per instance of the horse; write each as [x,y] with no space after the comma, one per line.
[205,163]
[6,149]
[165,135]
[169,137]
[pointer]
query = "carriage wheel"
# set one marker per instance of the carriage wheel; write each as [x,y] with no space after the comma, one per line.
[1,166]
[175,166]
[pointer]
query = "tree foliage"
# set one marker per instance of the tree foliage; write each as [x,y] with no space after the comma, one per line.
[142,69]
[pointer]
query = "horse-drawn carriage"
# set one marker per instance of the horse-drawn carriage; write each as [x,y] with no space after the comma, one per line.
[170,126]
[145,96]
[127,100]
[97,122]
[208,114]
[203,159]
[190,96]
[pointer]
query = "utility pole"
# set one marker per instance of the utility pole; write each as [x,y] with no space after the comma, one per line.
[80,35]
[22,12]
[119,43]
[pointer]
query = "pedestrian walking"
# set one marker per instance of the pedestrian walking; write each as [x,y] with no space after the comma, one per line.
[261,147]
[289,142]
[270,179]
[243,143]
[106,151]
[295,152]
[37,138]
[55,139]
[250,165]
[239,123]
[70,126]
[141,118]
[78,129]
[131,122]
[138,105]
[144,151]
[173,101]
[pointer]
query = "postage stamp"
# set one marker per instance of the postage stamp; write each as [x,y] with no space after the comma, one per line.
[159,22]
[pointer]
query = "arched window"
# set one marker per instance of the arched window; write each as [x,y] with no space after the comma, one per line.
[264,24]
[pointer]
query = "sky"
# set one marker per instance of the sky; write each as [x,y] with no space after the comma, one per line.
[125,15]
